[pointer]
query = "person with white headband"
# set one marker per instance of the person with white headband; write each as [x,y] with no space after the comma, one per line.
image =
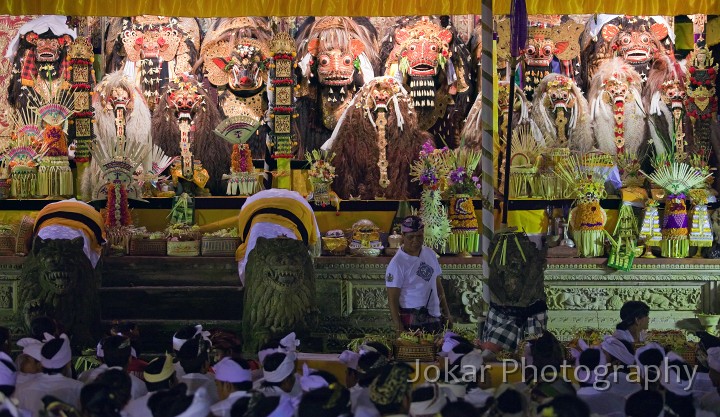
[649,360]
[590,371]
[55,357]
[711,400]
[183,335]
[159,375]
[8,380]
[645,403]
[176,403]
[116,355]
[194,358]
[370,365]
[279,375]
[233,380]
[330,401]
[350,360]
[427,400]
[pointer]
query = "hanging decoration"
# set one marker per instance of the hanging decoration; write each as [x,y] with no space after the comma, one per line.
[701,102]
[283,84]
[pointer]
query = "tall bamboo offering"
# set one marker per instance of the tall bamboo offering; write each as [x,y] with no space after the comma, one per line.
[587,219]
[676,178]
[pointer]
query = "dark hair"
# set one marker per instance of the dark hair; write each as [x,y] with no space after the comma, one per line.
[510,402]
[41,325]
[325,402]
[239,407]
[630,311]
[547,351]
[126,327]
[651,357]
[682,405]
[463,349]
[589,358]
[684,369]
[116,350]
[423,394]
[261,406]
[381,348]
[271,363]
[170,403]
[98,400]
[193,355]
[119,383]
[459,408]
[567,406]
[644,404]
[369,366]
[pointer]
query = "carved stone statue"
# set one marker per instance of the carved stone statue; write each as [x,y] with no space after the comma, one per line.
[279,291]
[59,281]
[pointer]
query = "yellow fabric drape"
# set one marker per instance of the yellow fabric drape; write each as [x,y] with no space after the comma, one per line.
[223,8]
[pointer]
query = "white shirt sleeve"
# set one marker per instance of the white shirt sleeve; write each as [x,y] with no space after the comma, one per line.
[394,277]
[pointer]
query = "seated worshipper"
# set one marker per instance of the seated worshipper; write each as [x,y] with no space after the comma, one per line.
[508,401]
[427,400]
[350,360]
[390,391]
[239,407]
[226,344]
[131,330]
[451,369]
[591,370]
[481,391]
[116,355]
[330,401]
[459,409]
[159,375]
[54,407]
[545,353]
[279,375]
[194,358]
[263,406]
[176,402]
[634,320]
[55,358]
[649,360]
[99,400]
[233,381]
[28,362]
[313,380]
[564,406]
[8,375]
[645,403]
[711,400]
[413,281]
[120,384]
[180,337]
[370,365]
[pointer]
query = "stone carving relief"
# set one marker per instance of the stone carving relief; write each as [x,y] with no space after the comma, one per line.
[369,298]
[6,297]
[612,298]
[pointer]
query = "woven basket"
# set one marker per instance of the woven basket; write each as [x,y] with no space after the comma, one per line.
[183,248]
[219,246]
[410,353]
[147,247]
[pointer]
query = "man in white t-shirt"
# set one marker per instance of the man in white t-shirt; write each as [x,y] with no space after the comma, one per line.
[415,292]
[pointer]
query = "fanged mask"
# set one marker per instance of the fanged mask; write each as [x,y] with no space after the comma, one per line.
[560,94]
[617,89]
[539,52]
[673,94]
[48,50]
[119,99]
[185,99]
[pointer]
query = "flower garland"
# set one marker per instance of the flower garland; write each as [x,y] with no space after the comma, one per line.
[118,210]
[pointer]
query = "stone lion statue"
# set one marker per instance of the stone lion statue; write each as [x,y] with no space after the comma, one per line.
[279,291]
[59,281]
